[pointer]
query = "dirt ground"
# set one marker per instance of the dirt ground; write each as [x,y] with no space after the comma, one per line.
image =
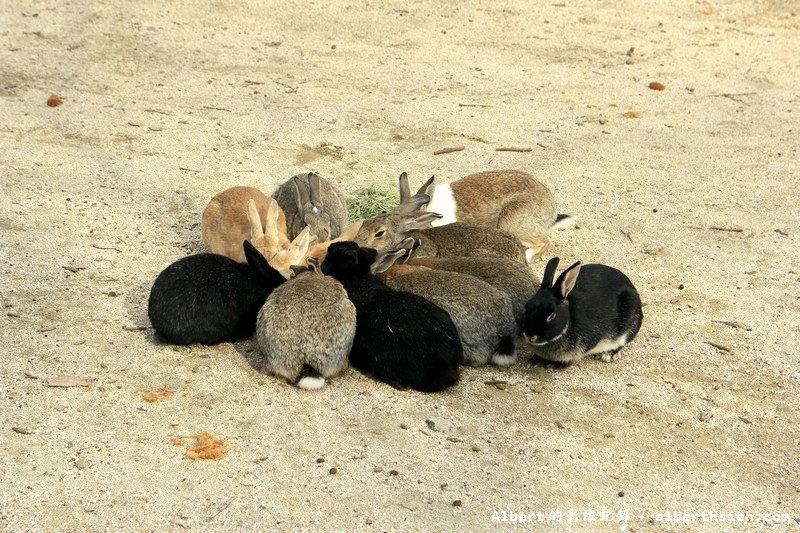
[692,191]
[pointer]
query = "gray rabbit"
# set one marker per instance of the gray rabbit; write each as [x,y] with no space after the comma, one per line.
[310,200]
[306,328]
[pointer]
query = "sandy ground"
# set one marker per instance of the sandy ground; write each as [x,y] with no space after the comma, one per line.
[165,104]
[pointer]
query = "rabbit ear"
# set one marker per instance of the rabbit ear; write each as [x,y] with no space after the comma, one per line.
[413,204]
[405,190]
[300,194]
[549,273]
[566,281]
[386,260]
[301,242]
[273,213]
[314,186]
[427,187]
[313,263]
[257,261]
[420,222]
[256,229]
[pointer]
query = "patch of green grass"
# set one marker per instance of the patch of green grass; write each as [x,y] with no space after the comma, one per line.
[371,201]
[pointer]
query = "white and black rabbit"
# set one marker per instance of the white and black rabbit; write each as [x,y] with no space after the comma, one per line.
[401,339]
[210,298]
[589,310]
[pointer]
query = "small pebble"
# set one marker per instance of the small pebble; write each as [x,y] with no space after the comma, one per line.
[54,100]
[403,426]
[439,424]
[476,448]
[443,486]
[31,375]
[456,503]
[320,460]
[378,469]
[538,389]
[657,86]
[80,463]
[394,472]
[333,471]
[621,493]
[609,435]
[680,287]
[13,314]
[21,430]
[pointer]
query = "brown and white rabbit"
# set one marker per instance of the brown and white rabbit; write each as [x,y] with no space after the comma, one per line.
[510,200]
[306,328]
[273,243]
[481,313]
[225,224]
[515,279]
[385,231]
[309,200]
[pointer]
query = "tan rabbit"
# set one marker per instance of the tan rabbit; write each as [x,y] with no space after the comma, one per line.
[306,329]
[510,200]
[272,242]
[318,250]
[225,225]
[481,313]
[512,277]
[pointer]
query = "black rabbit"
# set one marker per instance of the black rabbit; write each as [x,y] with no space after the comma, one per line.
[401,339]
[210,298]
[596,313]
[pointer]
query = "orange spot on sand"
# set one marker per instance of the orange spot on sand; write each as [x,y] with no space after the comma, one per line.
[205,446]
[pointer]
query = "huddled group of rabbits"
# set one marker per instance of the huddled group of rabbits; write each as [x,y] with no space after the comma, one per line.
[406,296]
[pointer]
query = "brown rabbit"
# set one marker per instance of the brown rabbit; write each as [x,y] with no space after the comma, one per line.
[272,242]
[385,232]
[510,200]
[306,328]
[225,225]
[512,277]
[481,313]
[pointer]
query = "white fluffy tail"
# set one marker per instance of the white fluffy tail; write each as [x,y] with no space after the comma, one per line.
[311,382]
[564,222]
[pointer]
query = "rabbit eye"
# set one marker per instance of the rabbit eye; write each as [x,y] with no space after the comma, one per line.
[380,233]
[551,317]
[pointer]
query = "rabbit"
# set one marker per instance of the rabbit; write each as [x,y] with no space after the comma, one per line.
[510,200]
[384,232]
[317,251]
[272,242]
[589,310]
[306,328]
[309,200]
[512,277]
[209,298]
[225,224]
[401,339]
[481,313]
